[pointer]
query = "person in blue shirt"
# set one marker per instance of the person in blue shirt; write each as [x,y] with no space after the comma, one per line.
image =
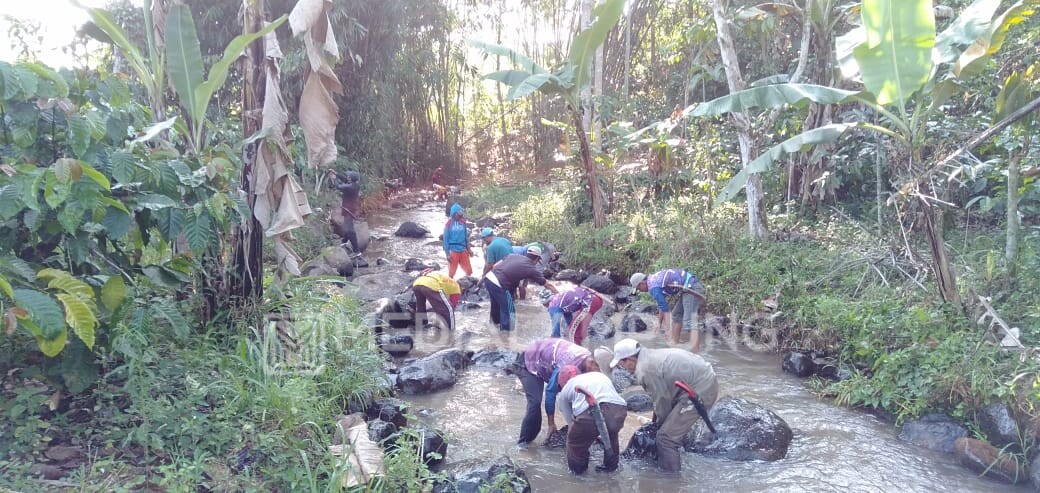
[674,282]
[495,248]
[456,242]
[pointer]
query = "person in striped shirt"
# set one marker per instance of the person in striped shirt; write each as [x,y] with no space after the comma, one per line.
[674,283]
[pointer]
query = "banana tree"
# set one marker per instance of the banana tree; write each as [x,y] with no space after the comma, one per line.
[908,72]
[568,81]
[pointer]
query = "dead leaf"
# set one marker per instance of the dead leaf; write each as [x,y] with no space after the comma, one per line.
[305,14]
[54,401]
[8,169]
[10,321]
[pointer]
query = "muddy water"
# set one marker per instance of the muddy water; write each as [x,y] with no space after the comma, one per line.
[834,449]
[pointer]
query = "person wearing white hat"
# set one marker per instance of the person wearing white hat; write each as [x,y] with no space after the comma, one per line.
[504,278]
[657,370]
[690,292]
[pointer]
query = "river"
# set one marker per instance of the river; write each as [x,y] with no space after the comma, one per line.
[834,448]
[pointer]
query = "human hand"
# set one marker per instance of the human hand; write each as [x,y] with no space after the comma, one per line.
[552,429]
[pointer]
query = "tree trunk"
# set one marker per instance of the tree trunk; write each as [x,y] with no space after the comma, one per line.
[586,92]
[1013,222]
[599,219]
[247,279]
[944,273]
[756,220]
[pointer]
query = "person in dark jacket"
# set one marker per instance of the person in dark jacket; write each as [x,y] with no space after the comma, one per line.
[456,242]
[539,372]
[349,185]
[503,279]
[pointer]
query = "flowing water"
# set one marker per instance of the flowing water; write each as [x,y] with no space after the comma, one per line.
[834,448]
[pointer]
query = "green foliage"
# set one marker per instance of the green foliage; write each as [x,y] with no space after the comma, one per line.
[895,58]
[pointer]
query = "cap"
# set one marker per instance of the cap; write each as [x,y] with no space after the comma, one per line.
[636,278]
[625,348]
[566,373]
[487,231]
[534,250]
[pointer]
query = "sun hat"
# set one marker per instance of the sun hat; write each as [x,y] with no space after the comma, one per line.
[625,348]
[534,250]
[636,278]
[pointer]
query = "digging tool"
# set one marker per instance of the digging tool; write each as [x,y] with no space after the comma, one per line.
[601,424]
[703,411]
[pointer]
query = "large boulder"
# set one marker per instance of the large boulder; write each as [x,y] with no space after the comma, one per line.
[395,344]
[600,283]
[999,425]
[499,475]
[989,461]
[639,402]
[601,327]
[571,275]
[633,322]
[454,357]
[643,444]
[409,229]
[826,367]
[390,410]
[432,446]
[933,431]
[745,431]
[624,294]
[496,360]
[798,364]
[426,375]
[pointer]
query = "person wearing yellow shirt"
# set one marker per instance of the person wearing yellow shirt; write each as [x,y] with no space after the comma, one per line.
[442,292]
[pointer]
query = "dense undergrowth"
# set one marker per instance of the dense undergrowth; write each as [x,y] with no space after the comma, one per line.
[840,291]
[255,411]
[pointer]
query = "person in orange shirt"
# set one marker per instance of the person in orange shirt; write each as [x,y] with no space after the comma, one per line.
[442,292]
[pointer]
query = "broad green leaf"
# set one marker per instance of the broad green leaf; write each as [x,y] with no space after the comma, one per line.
[51,347]
[116,223]
[532,84]
[820,135]
[772,96]
[174,317]
[71,217]
[516,58]
[56,85]
[972,60]
[10,202]
[154,201]
[18,267]
[80,316]
[64,281]
[585,44]
[5,287]
[67,170]
[124,167]
[508,77]
[184,58]
[219,71]
[160,277]
[55,193]
[79,368]
[113,293]
[1014,95]
[896,58]
[153,131]
[198,230]
[78,134]
[105,23]
[972,23]
[44,313]
[28,83]
[95,175]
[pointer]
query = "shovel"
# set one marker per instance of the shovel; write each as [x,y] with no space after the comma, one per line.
[601,424]
[697,404]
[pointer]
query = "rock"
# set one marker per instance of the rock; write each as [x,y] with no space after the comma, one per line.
[485,222]
[825,367]
[496,359]
[63,453]
[358,262]
[1034,472]
[339,258]
[798,364]
[499,475]
[624,294]
[409,229]
[432,446]
[640,307]
[999,426]
[382,261]
[643,444]
[987,460]
[601,327]
[318,268]
[414,264]
[371,287]
[608,309]
[427,375]
[745,431]
[717,324]
[390,410]
[395,345]
[379,430]
[359,402]
[632,322]
[933,431]
[574,276]
[47,471]
[600,283]
[455,357]
[639,402]
[558,438]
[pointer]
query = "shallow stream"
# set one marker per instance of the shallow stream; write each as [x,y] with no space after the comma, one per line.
[834,448]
